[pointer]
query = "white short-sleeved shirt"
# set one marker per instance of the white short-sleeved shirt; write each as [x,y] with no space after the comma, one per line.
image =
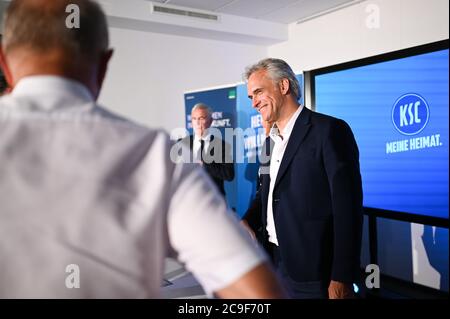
[90,200]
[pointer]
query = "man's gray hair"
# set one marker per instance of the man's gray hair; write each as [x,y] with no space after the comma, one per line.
[35,25]
[277,70]
[203,106]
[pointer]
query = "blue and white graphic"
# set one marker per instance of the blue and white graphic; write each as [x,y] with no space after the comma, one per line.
[410,114]
[399,113]
[222,101]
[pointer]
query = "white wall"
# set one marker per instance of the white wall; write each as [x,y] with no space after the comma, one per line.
[343,35]
[149,73]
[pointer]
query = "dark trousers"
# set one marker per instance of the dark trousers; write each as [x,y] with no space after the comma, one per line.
[296,289]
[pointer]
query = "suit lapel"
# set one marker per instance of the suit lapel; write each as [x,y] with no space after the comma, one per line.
[208,150]
[191,142]
[266,153]
[265,175]
[298,134]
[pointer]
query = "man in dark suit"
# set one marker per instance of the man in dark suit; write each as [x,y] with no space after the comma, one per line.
[309,205]
[213,153]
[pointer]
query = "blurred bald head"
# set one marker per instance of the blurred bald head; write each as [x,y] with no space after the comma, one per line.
[37,30]
[40,25]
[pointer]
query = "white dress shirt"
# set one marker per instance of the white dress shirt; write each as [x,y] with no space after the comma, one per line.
[280,140]
[81,186]
[197,145]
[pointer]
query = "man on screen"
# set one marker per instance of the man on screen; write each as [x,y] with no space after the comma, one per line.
[213,153]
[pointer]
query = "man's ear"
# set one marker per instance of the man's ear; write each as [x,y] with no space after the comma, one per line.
[103,66]
[284,86]
[5,69]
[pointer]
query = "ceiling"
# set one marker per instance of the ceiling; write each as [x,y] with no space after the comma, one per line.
[263,22]
[280,11]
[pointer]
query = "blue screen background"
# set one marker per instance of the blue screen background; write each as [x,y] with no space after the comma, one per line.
[414,181]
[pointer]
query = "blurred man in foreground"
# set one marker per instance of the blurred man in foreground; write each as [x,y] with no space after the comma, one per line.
[91,203]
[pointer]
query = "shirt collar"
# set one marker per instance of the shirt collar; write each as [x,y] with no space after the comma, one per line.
[275,132]
[54,87]
[206,137]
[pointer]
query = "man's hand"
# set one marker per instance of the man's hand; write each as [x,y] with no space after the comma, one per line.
[259,283]
[200,162]
[340,290]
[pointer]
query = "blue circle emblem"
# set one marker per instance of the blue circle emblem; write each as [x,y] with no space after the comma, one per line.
[410,114]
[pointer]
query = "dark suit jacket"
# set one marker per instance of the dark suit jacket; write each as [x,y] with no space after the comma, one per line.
[219,170]
[317,201]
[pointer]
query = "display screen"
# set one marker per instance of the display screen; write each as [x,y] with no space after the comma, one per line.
[398,109]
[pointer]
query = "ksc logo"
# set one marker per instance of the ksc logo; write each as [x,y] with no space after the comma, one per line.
[410,114]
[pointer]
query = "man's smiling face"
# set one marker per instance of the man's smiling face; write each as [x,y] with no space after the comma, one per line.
[265,94]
